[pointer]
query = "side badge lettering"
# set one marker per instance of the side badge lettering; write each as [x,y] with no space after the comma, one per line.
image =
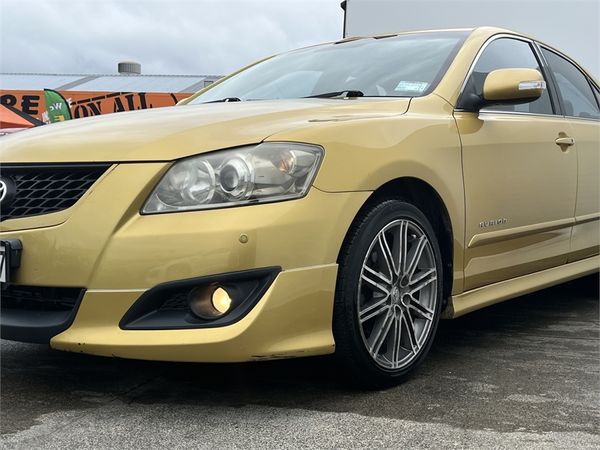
[493,222]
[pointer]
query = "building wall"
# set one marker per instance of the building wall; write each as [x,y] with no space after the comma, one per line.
[569,25]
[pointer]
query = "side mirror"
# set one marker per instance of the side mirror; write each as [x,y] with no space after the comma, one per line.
[513,86]
[506,86]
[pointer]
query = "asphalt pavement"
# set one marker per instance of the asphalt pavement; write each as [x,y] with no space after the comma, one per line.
[524,373]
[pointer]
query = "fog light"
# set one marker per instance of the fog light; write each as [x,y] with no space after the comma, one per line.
[210,302]
[221,300]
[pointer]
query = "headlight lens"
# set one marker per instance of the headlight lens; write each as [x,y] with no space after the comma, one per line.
[267,172]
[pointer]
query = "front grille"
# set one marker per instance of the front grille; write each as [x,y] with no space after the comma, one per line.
[36,298]
[42,189]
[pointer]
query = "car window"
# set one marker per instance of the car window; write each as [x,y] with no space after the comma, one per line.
[597,92]
[507,53]
[295,84]
[574,88]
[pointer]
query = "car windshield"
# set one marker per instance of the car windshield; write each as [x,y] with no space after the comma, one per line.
[406,65]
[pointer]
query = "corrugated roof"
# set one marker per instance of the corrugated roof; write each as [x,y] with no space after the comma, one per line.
[34,81]
[105,82]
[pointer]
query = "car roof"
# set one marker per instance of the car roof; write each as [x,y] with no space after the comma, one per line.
[490,30]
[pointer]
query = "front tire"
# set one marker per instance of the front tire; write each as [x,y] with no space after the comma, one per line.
[389,294]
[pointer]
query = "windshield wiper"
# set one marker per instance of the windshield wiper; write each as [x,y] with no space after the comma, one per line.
[341,94]
[226,100]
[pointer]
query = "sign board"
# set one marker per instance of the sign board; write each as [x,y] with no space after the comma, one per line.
[85,104]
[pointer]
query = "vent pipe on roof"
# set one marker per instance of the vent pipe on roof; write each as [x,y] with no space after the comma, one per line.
[130,67]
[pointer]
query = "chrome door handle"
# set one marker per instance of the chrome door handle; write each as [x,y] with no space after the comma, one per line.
[568,141]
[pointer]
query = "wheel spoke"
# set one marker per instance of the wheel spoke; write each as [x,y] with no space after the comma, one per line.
[397,340]
[387,255]
[416,256]
[402,245]
[410,331]
[377,276]
[383,287]
[421,310]
[373,310]
[421,275]
[422,284]
[379,333]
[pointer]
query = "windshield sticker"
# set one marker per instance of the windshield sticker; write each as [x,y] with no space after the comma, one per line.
[411,86]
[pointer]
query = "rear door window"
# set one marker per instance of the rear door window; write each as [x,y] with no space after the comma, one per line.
[573,87]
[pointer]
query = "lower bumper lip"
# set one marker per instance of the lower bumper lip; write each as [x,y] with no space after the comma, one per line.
[36,314]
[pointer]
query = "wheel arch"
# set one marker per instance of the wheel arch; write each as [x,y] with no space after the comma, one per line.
[422,195]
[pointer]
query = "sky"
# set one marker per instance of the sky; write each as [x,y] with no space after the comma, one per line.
[200,37]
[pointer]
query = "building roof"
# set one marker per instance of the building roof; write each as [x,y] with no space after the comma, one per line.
[105,82]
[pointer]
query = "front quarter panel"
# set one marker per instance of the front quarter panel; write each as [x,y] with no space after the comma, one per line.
[363,155]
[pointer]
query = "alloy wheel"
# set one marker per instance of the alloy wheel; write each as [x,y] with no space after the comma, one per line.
[397,294]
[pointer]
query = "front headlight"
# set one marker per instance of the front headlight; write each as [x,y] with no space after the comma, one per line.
[267,172]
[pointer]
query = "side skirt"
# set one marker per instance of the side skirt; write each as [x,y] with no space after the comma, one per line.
[495,293]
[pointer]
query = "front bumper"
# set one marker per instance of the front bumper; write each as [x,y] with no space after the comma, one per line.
[104,245]
[292,319]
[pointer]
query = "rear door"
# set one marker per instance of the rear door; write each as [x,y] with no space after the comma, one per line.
[520,186]
[581,108]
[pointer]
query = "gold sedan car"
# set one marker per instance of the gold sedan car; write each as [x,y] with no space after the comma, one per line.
[340,199]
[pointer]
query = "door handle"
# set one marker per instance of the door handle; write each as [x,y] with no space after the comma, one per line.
[567,141]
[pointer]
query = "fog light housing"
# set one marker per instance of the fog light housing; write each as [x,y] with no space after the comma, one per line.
[210,302]
[203,302]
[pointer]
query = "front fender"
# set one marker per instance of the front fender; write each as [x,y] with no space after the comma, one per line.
[362,155]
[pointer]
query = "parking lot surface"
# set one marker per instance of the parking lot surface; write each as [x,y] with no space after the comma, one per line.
[523,373]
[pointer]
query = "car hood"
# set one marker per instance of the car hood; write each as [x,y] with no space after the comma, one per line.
[165,134]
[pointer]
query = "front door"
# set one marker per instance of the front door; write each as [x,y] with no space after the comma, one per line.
[520,185]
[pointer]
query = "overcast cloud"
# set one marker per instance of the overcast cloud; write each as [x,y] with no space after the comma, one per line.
[165,36]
